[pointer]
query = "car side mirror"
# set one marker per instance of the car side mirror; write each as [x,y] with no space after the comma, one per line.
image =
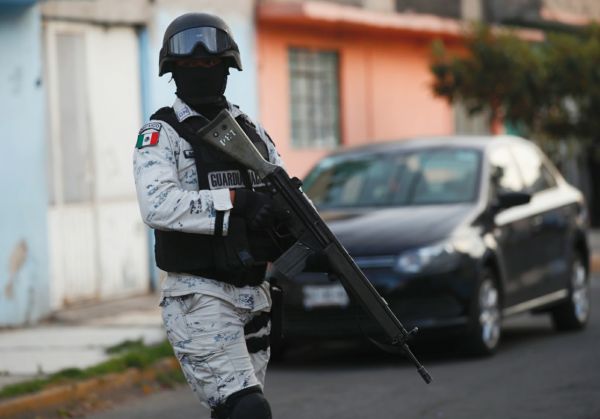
[512,199]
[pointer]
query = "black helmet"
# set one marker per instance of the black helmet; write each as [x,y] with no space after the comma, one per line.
[198,35]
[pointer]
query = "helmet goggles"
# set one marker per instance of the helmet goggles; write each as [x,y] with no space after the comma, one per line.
[214,40]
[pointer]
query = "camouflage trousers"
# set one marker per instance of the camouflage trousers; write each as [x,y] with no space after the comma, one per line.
[221,348]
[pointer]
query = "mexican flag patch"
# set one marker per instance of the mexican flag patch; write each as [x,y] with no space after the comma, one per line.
[147,138]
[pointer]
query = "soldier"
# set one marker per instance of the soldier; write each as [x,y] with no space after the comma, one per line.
[209,218]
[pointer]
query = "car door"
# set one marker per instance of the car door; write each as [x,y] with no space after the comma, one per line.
[511,228]
[549,221]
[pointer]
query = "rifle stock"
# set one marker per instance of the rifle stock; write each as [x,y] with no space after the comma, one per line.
[309,231]
[224,133]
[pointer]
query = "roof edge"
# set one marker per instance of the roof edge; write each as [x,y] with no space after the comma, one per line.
[320,13]
[313,13]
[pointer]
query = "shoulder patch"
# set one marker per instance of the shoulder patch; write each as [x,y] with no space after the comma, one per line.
[156,126]
[148,135]
[183,113]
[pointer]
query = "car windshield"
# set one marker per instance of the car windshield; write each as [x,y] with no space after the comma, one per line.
[416,177]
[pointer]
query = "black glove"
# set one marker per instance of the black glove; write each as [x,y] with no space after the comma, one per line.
[256,207]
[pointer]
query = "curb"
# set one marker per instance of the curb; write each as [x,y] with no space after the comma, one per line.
[61,395]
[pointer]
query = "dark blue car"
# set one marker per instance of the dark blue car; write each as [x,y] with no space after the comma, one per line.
[455,233]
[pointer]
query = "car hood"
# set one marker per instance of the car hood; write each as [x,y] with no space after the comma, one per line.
[370,232]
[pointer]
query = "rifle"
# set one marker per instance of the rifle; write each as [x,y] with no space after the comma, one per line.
[310,232]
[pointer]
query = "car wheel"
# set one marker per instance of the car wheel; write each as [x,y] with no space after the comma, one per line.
[486,318]
[574,313]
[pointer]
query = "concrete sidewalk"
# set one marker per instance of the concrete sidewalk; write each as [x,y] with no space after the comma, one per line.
[77,337]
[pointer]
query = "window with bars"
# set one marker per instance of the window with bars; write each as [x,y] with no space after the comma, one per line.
[314,96]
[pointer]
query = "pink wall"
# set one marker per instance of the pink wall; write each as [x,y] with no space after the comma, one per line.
[384,88]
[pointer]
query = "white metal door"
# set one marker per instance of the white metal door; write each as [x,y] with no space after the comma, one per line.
[98,243]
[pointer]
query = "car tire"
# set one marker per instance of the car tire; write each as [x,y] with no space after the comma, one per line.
[574,313]
[486,317]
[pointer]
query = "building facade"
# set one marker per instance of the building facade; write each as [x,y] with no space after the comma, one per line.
[333,75]
[83,76]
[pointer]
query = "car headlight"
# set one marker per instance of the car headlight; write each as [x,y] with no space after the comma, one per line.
[435,258]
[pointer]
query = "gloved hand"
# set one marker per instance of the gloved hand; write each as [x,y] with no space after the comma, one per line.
[256,207]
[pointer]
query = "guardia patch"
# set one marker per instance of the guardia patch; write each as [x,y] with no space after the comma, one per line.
[256,181]
[232,179]
[225,179]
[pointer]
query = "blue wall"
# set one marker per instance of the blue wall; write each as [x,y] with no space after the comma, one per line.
[23,184]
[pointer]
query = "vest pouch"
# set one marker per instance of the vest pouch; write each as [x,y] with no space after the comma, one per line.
[233,259]
[176,251]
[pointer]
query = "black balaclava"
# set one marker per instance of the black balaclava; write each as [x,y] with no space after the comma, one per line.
[202,88]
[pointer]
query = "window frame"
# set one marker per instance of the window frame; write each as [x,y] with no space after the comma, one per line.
[71,158]
[383,155]
[303,142]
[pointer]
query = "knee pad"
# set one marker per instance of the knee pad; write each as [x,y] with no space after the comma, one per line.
[249,403]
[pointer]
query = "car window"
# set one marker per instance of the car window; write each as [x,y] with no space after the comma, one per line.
[427,176]
[536,175]
[505,175]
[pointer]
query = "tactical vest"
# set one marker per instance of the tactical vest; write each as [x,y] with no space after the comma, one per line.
[238,258]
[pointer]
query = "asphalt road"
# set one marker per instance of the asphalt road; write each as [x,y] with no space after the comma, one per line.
[537,373]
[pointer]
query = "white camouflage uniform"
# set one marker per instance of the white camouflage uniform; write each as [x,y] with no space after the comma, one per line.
[204,318]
